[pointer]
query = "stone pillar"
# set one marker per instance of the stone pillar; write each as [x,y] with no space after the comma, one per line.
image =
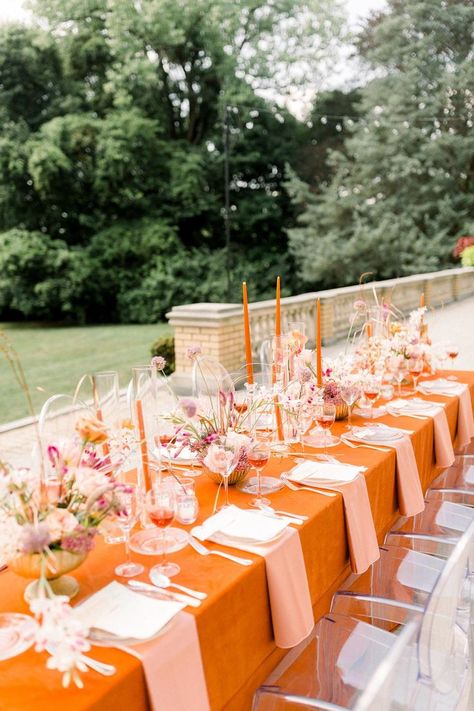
[216,328]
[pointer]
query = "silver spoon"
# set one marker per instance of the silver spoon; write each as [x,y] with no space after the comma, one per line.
[162,581]
[270,509]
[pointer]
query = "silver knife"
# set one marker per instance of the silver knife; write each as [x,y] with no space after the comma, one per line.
[139,586]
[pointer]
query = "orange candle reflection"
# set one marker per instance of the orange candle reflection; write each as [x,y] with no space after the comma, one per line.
[248,342]
[319,353]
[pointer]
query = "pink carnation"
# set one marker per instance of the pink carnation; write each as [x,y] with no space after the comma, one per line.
[158,362]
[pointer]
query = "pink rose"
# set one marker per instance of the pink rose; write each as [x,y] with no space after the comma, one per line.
[59,522]
[88,480]
[218,459]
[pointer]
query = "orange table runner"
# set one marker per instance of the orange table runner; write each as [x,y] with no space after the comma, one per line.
[234,623]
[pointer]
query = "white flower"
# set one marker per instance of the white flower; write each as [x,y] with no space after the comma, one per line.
[88,480]
[10,536]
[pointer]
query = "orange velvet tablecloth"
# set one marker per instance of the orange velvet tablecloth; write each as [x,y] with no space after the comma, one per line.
[234,623]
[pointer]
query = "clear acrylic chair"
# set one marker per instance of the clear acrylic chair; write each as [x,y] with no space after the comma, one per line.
[344,664]
[456,483]
[407,580]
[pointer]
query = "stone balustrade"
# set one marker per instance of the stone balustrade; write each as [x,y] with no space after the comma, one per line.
[218,328]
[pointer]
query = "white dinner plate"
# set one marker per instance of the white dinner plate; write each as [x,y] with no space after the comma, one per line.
[410,406]
[380,434]
[224,539]
[17,634]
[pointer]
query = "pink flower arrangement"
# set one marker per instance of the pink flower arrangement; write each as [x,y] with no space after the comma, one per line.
[193,351]
[158,362]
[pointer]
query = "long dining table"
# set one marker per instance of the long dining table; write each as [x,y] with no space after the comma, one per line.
[234,624]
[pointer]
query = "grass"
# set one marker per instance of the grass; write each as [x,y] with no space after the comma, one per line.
[55,357]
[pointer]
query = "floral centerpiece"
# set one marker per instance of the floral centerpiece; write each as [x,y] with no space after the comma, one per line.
[199,423]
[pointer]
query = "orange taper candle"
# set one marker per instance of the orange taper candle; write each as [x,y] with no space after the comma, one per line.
[369,330]
[277,309]
[422,299]
[143,445]
[248,342]
[319,353]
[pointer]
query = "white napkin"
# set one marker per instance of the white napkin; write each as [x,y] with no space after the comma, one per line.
[125,613]
[441,386]
[329,471]
[237,523]
[415,405]
[376,432]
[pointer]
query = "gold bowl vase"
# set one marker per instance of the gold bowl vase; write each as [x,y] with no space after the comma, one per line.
[342,411]
[237,475]
[30,566]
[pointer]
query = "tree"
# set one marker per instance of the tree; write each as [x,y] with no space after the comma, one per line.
[403,187]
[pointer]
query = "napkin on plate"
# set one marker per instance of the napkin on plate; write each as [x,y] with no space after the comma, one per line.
[237,523]
[415,405]
[311,472]
[441,386]
[125,613]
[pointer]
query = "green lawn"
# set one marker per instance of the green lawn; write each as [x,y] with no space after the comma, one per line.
[54,358]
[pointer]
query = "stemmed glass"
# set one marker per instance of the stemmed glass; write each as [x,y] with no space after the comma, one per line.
[258,456]
[416,368]
[325,414]
[304,419]
[161,509]
[129,496]
[371,387]
[350,392]
[222,458]
[400,374]
[452,351]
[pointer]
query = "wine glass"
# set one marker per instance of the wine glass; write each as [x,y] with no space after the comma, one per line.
[222,457]
[452,351]
[129,496]
[161,509]
[371,387]
[416,368]
[350,392]
[400,374]
[258,456]
[325,414]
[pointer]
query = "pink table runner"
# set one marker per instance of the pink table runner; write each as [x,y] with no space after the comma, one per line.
[410,493]
[173,667]
[444,452]
[361,534]
[290,599]
[465,418]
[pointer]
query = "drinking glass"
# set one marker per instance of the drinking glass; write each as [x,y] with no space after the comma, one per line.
[187,505]
[325,414]
[143,403]
[452,351]
[105,392]
[371,387]
[222,458]
[129,496]
[258,456]
[161,509]
[416,368]
[350,393]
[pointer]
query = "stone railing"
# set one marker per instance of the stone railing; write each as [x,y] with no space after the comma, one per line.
[218,328]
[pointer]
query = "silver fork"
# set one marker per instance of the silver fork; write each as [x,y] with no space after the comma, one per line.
[202,550]
[293,487]
[367,446]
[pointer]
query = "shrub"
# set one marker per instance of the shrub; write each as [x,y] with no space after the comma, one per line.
[164,346]
[467,257]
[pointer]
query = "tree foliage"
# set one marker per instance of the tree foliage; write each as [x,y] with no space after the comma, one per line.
[403,186]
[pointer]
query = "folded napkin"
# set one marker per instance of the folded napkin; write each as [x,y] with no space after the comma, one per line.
[410,493]
[361,534]
[312,472]
[240,524]
[465,428]
[288,589]
[125,613]
[443,446]
[164,660]
[376,433]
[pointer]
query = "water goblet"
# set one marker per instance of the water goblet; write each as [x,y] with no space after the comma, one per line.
[371,387]
[350,392]
[222,457]
[129,496]
[452,351]
[161,509]
[258,456]
[325,414]
[416,368]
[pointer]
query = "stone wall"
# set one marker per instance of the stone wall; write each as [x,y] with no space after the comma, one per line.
[218,328]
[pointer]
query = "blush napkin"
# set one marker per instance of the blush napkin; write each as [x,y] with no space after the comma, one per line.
[288,589]
[361,534]
[449,388]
